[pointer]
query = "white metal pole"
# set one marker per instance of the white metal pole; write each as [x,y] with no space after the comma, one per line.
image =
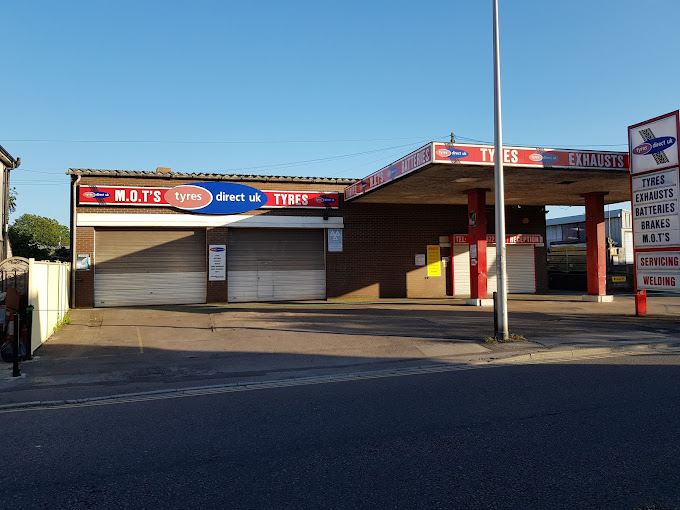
[502,292]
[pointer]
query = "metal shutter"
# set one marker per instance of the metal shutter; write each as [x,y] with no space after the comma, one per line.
[276,264]
[628,247]
[461,270]
[520,266]
[149,267]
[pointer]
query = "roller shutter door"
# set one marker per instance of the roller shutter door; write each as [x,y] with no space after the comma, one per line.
[149,267]
[276,264]
[628,247]
[520,266]
[461,270]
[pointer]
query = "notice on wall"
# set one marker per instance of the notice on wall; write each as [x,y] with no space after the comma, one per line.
[83,262]
[656,215]
[658,270]
[217,262]
[420,259]
[334,239]
[434,267]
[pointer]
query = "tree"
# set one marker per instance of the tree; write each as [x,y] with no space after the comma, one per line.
[13,199]
[37,237]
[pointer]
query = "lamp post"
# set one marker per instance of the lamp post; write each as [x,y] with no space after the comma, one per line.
[501,308]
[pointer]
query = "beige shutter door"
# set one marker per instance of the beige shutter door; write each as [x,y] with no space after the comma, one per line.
[149,267]
[520,266]
[461,270]
[276,264]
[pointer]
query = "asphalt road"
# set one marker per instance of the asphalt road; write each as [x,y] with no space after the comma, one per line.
[588,434]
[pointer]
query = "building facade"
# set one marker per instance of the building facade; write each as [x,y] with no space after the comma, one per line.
[7,164]
[132,246]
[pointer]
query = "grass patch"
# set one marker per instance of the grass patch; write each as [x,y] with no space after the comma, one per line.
[513,337]
[64,320]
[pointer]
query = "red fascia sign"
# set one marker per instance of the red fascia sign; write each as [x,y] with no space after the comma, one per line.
[404,166]
[151,197]
[509,239]
[528,156]
[436,152]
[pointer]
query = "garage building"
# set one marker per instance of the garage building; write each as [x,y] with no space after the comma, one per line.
[420,227]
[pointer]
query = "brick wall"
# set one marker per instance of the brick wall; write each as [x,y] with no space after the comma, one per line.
[380,242]
[84,297]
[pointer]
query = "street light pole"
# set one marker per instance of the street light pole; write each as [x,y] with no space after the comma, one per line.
[501,278]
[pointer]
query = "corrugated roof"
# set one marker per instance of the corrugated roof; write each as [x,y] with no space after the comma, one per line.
[212,177]
[580,218]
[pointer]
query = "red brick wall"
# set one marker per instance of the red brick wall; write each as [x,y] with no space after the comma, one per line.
[380,242]
[84,297]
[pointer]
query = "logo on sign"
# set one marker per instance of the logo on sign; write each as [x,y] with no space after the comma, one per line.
[363,185]
[544,157]
[96,194]
[217,248]
[393,171]
[323,199]
[215,197]
[654,145]
[452,153]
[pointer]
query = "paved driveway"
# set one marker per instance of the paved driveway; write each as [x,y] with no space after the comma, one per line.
[135,349]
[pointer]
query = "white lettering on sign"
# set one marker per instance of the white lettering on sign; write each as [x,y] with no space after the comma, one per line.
[405,165]
[289,199]
[589,159]
[509,155]
[182,197]
[510,239]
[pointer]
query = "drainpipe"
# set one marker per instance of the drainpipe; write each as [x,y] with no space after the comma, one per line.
[73,241]
[5,223]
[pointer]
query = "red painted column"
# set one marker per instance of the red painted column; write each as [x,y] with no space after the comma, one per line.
[596,248]
[477,242]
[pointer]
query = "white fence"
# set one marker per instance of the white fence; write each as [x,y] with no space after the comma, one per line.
[48,288]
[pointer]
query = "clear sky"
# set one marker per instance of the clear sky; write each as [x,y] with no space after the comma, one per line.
[325,89]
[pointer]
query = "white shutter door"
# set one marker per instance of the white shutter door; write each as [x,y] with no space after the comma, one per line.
[276,264]
[491,285]
[461,270]
[521,269]
[149,267]
[628,247]
[520,266]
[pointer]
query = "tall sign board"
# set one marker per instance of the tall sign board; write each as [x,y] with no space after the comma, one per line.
[654,184]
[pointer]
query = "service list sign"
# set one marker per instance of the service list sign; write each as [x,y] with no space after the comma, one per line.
[655,209]
[217,262]
[654,199]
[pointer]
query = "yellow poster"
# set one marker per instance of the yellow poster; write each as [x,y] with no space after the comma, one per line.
[434,267]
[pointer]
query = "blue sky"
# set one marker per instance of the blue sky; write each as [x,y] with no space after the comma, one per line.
[316,88]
